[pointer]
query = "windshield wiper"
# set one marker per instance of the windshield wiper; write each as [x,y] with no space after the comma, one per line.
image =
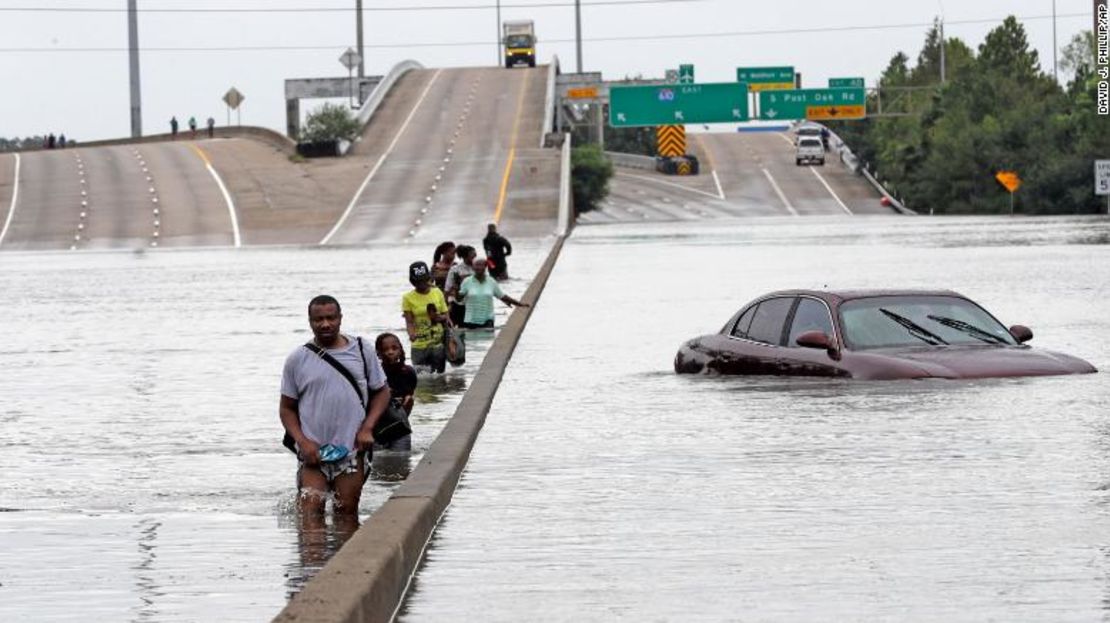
[915,329]
[968,328]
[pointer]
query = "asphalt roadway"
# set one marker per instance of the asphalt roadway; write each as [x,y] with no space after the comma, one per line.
[743,174]
[448,151]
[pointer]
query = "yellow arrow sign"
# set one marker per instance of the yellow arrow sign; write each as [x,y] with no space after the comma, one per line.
[1009,179]
[826,113]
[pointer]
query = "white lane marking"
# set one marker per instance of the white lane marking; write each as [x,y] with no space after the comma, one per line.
[15,195]
[778,191]
[666,183]
[829,188]
[717,181]
[230,206]
[388,150]
[783,137]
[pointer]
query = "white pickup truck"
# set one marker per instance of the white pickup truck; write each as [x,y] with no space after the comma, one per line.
[810,150]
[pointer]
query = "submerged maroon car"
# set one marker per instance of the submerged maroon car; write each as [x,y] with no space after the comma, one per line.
[871,334]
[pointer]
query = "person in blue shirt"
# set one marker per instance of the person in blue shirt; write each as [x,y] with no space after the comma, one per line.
[477,293]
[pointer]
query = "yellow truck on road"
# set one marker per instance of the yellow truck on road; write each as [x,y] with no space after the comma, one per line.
[519,37]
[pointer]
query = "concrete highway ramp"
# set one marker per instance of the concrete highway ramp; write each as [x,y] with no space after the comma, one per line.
[743,174]
[450,150]
[447,151]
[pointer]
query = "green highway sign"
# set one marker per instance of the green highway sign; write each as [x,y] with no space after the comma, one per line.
[686,74]
[845,83]
[766,78]
[824,104]
[666,104]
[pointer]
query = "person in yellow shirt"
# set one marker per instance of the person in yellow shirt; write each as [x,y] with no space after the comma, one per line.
[425,311]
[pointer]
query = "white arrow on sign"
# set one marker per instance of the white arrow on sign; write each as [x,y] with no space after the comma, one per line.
[620,117]
[736,113]
[678,116]
[771,113]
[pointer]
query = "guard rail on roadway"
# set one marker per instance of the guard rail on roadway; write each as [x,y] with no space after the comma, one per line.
[851,161]
[368,578]
[549,101]
[265,135]
[377,96]
[630,161]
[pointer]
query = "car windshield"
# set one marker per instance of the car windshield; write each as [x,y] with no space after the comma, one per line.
[518,41]
[891,321]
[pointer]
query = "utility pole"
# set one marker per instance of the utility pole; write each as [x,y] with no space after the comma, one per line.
[500,58]
[578,30]
[943,69]
[133,56]
[361,51]
[1054,75]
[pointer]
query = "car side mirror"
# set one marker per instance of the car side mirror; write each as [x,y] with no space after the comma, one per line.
[1021,333]
[818,339]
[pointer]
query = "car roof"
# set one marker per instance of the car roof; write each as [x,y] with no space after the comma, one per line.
[839,296]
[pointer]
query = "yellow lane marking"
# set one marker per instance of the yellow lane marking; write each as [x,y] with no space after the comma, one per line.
[236,235]
[512,149]
[202,155]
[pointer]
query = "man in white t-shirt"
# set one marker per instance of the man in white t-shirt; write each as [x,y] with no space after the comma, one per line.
[477,293]
[331,421]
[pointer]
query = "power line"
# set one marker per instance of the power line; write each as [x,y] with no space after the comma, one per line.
[445,7]
[451,44]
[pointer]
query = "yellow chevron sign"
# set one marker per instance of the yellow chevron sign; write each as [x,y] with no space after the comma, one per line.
[670,140]
[684,168]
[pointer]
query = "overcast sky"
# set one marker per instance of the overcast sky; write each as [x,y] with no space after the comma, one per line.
[49,87]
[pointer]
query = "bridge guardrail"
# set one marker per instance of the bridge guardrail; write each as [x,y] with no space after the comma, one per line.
[549,101]
[377,96]
[851,161]
[565,195]
[630,161]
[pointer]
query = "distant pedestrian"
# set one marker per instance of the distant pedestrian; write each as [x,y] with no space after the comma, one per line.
[62,141]
[402,382]
[173,127]
[442,261]
[497,248]
[425,330]
[211,127]
[461,270]
[193,126]
[477,293]
[50,141]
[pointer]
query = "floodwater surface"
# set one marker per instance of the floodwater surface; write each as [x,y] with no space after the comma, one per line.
[141,472]
[606,487]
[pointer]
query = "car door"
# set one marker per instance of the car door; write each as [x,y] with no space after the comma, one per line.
[755,343]
[810,314]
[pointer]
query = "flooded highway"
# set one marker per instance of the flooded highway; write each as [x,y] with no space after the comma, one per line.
[142,476]
[606,487]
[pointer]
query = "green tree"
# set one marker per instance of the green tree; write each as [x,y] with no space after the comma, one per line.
[330,122]
[590,173]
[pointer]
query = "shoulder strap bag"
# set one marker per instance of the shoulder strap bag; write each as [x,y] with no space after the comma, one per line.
[393,423]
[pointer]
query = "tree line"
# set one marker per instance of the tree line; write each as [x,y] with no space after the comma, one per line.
[996,111]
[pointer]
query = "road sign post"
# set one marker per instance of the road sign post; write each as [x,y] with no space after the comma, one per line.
[233,98]
[816,104]
[1102,180]
[1011,182]
[350,60]
[720,102]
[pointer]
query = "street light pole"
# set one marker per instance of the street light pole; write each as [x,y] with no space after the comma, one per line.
[578,30]
[1054,76]
[361,51]
[500,59]
[133,59]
